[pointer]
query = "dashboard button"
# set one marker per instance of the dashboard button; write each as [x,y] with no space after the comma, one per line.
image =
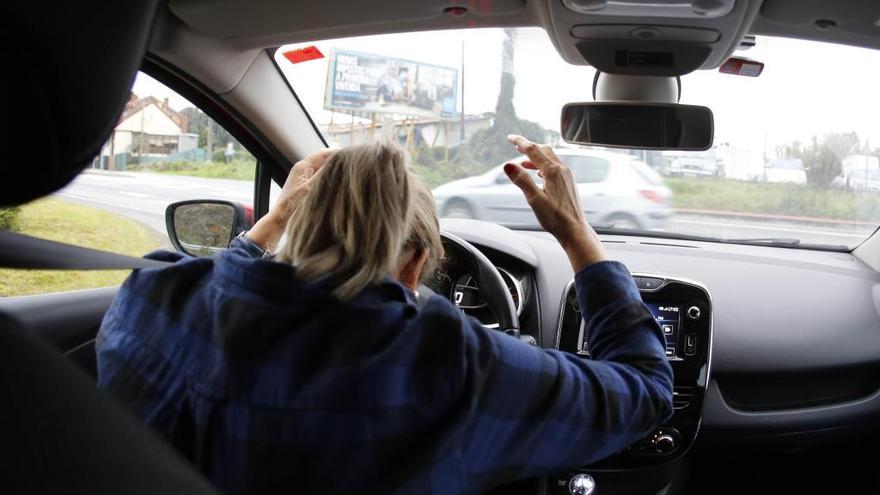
[690,344]
[648,283]
[665,443]
[693,312]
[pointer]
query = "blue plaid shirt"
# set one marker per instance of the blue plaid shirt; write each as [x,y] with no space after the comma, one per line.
[269,384]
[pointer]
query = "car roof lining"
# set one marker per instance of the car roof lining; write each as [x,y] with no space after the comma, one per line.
[249,24]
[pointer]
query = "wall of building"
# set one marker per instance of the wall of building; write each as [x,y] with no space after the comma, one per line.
[151,120]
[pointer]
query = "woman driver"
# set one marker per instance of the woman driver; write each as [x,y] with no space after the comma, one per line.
[318,371]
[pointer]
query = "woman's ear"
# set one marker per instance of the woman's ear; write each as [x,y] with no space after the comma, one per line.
[409,269]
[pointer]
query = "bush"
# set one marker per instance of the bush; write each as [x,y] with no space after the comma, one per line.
[435,168]
[9,218]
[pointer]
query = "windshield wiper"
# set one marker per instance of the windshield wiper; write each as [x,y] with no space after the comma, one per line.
[766,241]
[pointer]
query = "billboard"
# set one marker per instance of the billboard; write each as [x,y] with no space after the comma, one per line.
[367,83]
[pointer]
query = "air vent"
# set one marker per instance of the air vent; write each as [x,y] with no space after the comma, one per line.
[682,396]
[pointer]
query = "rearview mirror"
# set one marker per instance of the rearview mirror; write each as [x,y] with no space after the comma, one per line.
[205,227]
[639,125]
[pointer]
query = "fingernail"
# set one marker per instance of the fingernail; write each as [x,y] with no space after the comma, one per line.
[509,168]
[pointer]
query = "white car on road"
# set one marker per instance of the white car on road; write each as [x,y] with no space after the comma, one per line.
[615,189]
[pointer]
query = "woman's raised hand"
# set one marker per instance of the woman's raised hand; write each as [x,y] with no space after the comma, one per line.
[556,204]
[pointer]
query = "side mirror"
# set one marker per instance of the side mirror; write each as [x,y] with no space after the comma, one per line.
[204,227]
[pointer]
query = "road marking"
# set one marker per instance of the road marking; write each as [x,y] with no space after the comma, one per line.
[108,203]
[136,194]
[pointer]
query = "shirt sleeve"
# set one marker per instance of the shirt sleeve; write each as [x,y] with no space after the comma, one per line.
[533,410]
[246,246]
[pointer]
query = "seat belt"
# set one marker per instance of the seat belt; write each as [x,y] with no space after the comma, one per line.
[24,251]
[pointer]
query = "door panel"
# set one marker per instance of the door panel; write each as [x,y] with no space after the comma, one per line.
[69,320]
[503,202]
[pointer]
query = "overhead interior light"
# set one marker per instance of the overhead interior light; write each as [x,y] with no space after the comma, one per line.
[653,8]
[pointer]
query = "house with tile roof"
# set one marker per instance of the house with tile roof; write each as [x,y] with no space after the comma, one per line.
[149,129]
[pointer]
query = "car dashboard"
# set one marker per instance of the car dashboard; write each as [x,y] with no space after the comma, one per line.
[770,347]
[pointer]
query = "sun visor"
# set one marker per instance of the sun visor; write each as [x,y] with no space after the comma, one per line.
[69,71]
[266,22]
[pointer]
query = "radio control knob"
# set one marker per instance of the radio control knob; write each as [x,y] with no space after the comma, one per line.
[664,443]
[693,312]
[582,484]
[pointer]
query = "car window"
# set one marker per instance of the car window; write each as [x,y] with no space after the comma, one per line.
[449,98]
[587,169]
[162,150]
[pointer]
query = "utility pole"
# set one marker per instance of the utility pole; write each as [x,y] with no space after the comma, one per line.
[462,97]
[209,138]
[111,160]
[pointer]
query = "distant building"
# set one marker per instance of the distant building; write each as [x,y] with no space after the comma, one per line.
[860,172]
[786,170]
[148,129]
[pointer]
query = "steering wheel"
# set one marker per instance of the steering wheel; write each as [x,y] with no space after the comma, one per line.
[492,286]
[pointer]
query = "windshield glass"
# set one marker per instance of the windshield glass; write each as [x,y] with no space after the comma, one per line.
[795,155]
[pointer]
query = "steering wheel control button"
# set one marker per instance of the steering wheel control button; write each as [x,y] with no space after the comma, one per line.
[690,344]
[693,313]
[582,484]
[648,283]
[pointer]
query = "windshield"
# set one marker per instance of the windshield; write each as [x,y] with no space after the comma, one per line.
[794,157]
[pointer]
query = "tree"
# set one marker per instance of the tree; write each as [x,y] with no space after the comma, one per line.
[199,123]
[823,158]
[490,146]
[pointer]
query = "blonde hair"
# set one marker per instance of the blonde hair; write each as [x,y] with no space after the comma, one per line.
[424,233]
[352,223]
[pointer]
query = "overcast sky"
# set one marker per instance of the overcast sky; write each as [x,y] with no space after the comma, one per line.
[806,89]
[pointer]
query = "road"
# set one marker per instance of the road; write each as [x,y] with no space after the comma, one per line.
[144,196]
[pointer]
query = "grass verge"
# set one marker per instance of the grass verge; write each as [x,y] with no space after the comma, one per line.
[774,199]
[237,170]
[85,226]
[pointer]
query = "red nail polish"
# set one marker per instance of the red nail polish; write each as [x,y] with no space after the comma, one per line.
[509,168]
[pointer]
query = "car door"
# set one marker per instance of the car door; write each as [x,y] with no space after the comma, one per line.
[591,175]
[503,202]
[163,149]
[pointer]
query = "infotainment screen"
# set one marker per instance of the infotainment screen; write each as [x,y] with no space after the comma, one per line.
[669,319]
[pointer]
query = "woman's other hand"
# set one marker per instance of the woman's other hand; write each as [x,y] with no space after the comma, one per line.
[556,204]
[269,229]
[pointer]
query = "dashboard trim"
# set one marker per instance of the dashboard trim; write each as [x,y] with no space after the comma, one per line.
[565,292]
[519,290]
[516,285]
[705,289]
[667,279]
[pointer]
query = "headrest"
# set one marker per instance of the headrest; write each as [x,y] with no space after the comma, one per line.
[68,70]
